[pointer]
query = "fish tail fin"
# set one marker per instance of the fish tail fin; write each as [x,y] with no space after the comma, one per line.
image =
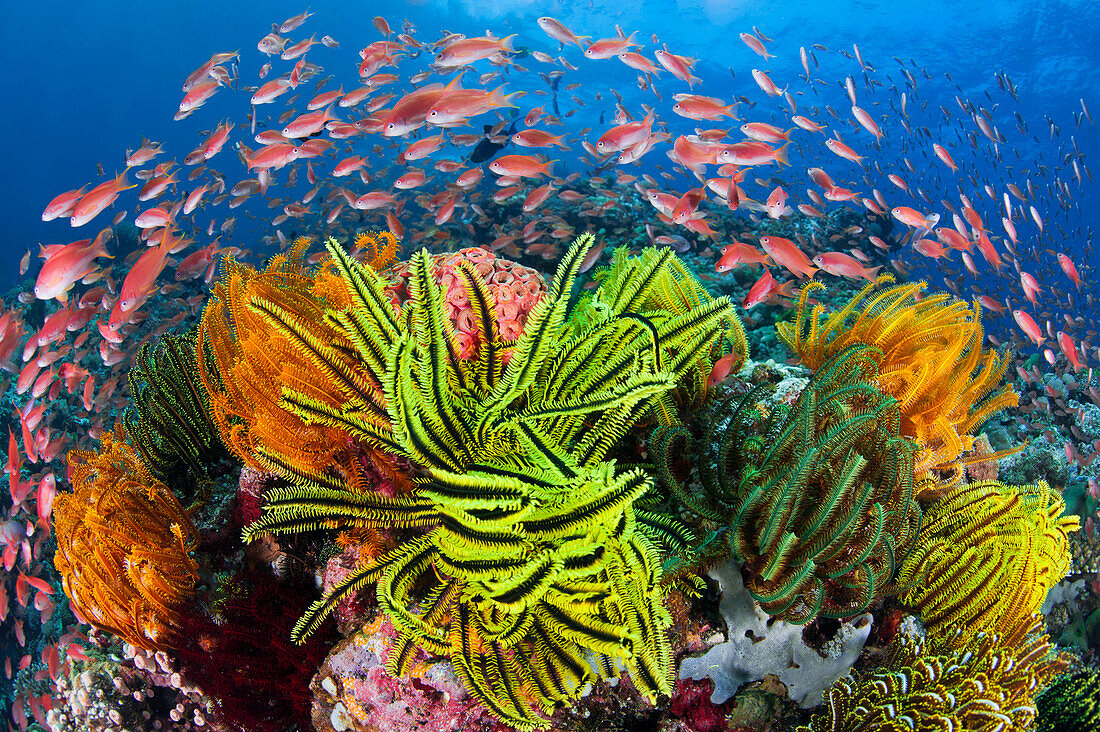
[781,154]
[506,43]
[505,100]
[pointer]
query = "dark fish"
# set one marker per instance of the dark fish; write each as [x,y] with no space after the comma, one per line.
[487,149]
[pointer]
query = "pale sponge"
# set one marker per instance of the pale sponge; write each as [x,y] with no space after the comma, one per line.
[754,648]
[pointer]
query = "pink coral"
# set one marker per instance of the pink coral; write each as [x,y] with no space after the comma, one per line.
[338,568]
[353,692]
[516,290]
[250,487]
[691,703]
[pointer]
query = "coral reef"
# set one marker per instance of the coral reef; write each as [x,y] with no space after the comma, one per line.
[536,562]
[986,556]
[123,545]
[983,684]
[673,291]
[120,687]
[246,356]
[817,498]
[930,357]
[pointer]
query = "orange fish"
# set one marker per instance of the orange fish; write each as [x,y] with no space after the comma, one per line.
[538,138]
[62,205]
[868,123]
[468,50]
[524,166]
[766,84]
[678,66]
[608,47]
[694,106]
[760,290]
[722,367]
[1069,349]
[786,253]
[943,155]
[1070,269]
[140,280]
[839,264]
[914,218]
[410,112]
[843,151]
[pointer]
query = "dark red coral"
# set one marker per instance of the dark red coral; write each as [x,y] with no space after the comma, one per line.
[248,663]
[691,703]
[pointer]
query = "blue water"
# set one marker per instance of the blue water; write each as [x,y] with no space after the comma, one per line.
[84,82]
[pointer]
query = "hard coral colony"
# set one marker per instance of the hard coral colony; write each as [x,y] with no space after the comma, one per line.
[516,489]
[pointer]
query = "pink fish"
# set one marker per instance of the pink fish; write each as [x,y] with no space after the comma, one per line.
[722,367]
[62,205]
[216,141]
[64,265]
[468,50]
[140,280]
[766,84]
[760,290]
[757,47]
[608,47]
[308,124]
[839,264]
[843,151]
[1069,350]
[526,166]
[678,66]
[196,263]
[1070,269]
[271,90]
[96,200]
[1031,288]
[786,253]
[1028,326]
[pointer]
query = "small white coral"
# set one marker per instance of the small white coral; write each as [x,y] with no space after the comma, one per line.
[754,648]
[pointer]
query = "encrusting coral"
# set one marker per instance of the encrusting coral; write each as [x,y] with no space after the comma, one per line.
[987,555]
[757,645]
[537,572]
[817,499]
[984,684]
[930,358]
[123,543]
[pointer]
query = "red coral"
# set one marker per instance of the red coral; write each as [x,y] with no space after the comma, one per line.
[691,703]
[248,663]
